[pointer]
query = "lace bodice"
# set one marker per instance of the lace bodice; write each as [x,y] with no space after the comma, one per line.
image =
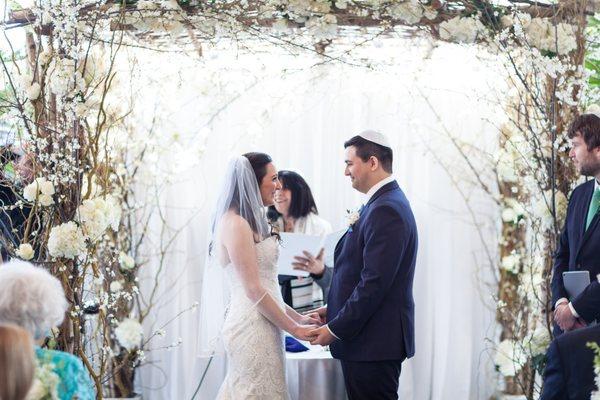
[267,253]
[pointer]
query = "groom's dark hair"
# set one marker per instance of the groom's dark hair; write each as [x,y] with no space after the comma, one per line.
[366,149]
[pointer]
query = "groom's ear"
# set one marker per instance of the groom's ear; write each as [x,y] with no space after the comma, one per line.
[374,163]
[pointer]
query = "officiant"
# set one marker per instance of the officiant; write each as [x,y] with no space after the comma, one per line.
[295,211]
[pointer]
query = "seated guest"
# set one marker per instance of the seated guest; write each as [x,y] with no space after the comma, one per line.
[17,362]
[295,211]
[569,373]
[34,300]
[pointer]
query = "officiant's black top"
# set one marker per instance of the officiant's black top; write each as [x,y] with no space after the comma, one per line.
[579,250]
[569,373]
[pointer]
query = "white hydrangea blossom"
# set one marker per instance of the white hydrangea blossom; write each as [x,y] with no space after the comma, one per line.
[410,11]
[511,263]
[66,240]
[33,92]
[510,357]
[97,214]
[116,286]
[542,207]
[324,27]
[129,333]
[542,33]
[126,262]
[462,30]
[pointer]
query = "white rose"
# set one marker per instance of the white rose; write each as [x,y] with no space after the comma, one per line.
[126,261]
[129,333]
[30,191]
[66,240]
[25,252]
[33,91]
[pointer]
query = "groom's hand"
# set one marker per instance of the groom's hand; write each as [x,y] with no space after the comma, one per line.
[319,314]
[323,336]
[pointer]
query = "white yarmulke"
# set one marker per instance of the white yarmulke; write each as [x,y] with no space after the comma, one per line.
[375,137]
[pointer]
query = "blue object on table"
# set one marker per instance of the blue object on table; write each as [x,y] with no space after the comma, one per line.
[294,346]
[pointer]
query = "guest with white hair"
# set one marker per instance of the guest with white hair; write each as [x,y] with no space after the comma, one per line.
[33,299]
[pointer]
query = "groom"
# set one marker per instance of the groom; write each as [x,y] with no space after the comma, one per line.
[370,308]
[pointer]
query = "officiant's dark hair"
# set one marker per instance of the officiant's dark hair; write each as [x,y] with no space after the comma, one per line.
[588,126]
[303,202]
[366,149]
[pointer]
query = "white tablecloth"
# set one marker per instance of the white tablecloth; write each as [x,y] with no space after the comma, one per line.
[311,375]
[314,375]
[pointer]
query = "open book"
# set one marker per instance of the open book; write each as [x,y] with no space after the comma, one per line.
[292,244]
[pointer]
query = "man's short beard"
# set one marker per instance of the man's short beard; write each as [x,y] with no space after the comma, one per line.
[590,169]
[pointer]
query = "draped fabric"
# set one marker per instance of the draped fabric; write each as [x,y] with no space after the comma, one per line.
[437,106]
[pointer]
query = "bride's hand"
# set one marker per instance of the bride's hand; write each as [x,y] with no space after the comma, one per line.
[301,332]
[311,319]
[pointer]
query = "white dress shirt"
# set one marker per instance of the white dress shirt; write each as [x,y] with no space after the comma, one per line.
[368,196]
[564,299]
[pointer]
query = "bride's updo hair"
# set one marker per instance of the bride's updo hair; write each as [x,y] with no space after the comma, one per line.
[259,162]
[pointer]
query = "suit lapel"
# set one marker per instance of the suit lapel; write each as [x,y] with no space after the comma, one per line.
[384,189]
[585,234]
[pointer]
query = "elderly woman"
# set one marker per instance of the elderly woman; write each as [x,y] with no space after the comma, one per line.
[17,362]
[34,300]
[295,210]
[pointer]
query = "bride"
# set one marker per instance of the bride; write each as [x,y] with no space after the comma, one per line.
[243,247]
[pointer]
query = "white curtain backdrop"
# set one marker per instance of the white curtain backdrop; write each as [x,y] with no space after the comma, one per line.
[230,103]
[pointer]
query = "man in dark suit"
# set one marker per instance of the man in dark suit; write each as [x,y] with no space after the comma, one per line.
[579,245]
[569,373]
[370,311]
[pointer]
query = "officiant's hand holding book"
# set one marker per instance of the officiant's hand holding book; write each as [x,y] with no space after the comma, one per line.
[309,263]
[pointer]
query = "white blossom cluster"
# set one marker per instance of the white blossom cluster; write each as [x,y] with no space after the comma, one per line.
[66,240]
[96,215]
[45,383]
[462,30]
[543,33]
[129,333]
[40,190]
[410,11]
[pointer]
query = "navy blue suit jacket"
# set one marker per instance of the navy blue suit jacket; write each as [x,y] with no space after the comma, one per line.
[370,305]
[569,373]
[579,249]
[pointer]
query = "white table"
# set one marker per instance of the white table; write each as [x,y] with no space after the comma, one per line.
[314,375]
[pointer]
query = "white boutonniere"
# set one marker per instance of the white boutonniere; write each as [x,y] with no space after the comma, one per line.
[352,217]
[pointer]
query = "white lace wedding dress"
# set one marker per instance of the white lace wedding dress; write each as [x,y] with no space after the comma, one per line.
[255,347]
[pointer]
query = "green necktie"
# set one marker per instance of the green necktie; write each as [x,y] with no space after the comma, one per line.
[593,208]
